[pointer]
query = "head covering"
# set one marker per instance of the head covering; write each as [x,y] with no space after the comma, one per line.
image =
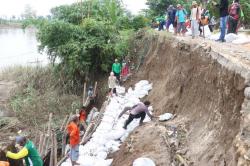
[91,87]
[74,117]
[178,5]
[19,139]
[194,3]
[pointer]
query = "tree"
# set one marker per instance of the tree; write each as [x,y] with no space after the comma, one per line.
[28,13]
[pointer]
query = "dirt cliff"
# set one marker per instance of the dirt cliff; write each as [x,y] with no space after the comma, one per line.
[203,83]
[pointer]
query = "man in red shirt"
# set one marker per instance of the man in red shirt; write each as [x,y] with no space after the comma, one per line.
[74,139]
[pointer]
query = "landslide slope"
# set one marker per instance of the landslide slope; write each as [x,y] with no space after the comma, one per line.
[204,87]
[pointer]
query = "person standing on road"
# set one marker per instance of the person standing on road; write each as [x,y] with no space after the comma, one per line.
[137,111]
[181,15]
[194,17]
[223,7]
[74,139]
[28,152]
[171,11]
[116,68]
[234,16]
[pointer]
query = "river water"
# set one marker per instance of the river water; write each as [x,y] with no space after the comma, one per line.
[19,47]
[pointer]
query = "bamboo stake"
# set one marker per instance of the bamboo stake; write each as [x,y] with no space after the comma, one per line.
[51,162]
[84,94]
[40,143]
[95,88]
[49,124]
[43,143]
[55,148]
[63,124]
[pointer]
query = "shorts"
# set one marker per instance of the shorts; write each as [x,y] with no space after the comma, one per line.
[181,27]
[74,153]
[114,90]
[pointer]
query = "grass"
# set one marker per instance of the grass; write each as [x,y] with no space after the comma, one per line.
[38,92]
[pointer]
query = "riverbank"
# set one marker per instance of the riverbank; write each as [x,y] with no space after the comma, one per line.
[11,25]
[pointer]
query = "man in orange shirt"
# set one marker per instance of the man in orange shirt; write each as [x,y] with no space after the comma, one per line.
[74,139]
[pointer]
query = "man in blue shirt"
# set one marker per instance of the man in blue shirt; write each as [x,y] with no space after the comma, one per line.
[181,19]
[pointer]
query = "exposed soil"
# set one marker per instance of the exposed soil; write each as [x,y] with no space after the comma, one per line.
[203,84]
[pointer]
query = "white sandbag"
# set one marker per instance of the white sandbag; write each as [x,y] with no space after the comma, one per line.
[103,162]
[150,108]
[141,83]
[143,162]
[231,37]
[120,90]
[241,40]
[86,160]
[148,87]
[165,117]
[214,36]
[207,31]
[102,155]
[116,134]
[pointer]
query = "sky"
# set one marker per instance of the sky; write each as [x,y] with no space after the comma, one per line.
[16,7]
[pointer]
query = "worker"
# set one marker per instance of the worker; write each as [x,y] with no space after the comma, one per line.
[137,111]
[82,118]
[116,68]
[112,82]
[28,152]
[74,139]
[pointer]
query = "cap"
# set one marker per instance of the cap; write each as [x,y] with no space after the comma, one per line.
[194,3]
[19,139]
[178,5]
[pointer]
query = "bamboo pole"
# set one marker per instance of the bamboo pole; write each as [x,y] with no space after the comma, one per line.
[51,161]
[55,148]
[44,141]
[40,142]
[63,124]
[95,88]
[84,94]
[49,124]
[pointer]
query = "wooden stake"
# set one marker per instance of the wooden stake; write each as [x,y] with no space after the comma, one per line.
[64,135]
[40,143]
[51,162]
[49,125]
[55,148]
[95,88]
[63,124]
[84,94]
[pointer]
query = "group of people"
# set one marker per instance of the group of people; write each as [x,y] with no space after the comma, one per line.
[119,73]
[198,17]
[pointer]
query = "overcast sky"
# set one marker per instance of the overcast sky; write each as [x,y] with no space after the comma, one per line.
[16,7]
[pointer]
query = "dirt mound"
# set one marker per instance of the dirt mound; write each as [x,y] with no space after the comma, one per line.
[206,91]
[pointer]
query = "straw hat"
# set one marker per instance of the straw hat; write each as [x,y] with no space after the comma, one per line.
[179,5]
[194,3]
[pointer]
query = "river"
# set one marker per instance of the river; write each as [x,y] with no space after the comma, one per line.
[19,47]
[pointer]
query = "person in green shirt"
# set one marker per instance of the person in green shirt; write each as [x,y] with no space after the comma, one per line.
[116,68]
[28,152]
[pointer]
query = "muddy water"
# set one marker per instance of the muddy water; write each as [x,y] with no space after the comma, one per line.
[19,47]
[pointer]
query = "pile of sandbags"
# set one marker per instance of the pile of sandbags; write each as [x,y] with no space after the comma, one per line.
[110,133]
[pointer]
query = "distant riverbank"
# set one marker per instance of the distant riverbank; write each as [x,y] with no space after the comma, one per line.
[11,25]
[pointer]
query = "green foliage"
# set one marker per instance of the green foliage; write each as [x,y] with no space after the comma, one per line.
[245,5]
[81,49]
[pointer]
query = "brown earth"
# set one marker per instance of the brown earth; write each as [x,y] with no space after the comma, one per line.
[203,83]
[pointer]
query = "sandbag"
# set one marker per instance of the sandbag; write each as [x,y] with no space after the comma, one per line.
[165,117]
[143,162]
